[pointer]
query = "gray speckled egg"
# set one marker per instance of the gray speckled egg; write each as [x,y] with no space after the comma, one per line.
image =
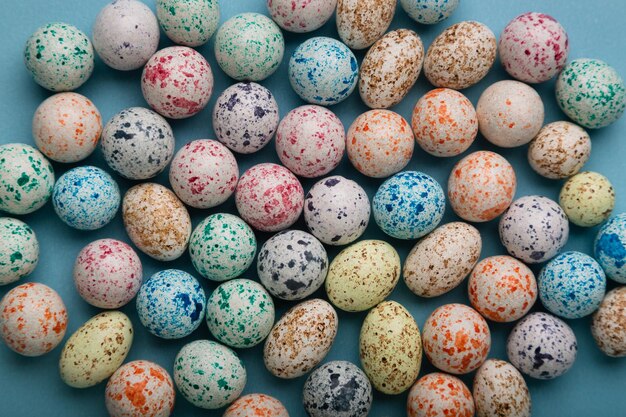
[19,250]
[608,326]
[188,22]
[500,390]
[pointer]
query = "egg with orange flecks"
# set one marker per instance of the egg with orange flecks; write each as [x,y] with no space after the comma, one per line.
[436,394]
[256,405]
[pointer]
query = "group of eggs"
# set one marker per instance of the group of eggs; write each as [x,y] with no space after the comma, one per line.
[177,82]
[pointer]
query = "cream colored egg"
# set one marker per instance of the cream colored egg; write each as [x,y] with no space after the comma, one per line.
[360,23]
[500,390]
[588,199]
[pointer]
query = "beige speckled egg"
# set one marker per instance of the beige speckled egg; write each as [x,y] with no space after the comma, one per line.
[460,56]
[440,395]
[390,68]
[96,349]
[360,23]
[500,390]
[156,221]
[440,262]
[300,340]
[390,348]
[588,198]
[608,326]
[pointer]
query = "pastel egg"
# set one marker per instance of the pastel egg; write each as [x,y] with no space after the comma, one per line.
[437,395]
[481,186]
[292,265]
[409,205]
[204,173]
[256,405]
[499,388]
[301,16]
[107,273]
[33,319]
[429,12]
[188,22]
[19,250]
[608,325]
[360,23]
[588,199]
[300,340]
[610,248]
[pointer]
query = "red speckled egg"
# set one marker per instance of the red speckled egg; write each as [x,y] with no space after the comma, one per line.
[254,405]
[440,395]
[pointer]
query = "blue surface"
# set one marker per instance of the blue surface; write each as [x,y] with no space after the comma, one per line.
[32,387]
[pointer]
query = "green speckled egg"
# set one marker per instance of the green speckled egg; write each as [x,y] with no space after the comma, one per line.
[19,250]
[188,22]
[587,198]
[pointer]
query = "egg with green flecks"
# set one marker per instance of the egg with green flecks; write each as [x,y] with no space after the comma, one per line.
[588,198]
[188,22]
[19,250]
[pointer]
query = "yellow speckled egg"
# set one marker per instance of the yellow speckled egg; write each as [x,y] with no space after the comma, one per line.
[587,198]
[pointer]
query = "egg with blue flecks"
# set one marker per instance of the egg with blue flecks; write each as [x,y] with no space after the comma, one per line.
[19,250]
[500,389]
[610,248]
[188,22]
[251,405]
[429,12]
[588,198]
[361,22]
[301,16]
[608,325]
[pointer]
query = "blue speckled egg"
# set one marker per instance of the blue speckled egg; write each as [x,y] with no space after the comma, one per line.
[337,389]
[323,71]
[610,248]
[429,12]
[86,198]
[171,304]
[572,285]
[409,205]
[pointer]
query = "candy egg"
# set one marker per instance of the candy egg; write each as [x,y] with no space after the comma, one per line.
[33,319]
[608,325]
[19,250]
[301,16]
[588,199]
[361,22]
[500,389]
[188,22]
[429,12]
[256,405]
[610,248]
[439,395]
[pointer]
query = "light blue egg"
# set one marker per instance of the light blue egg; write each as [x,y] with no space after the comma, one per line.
[610,248]
[429,12]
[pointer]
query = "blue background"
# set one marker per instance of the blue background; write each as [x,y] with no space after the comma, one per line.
[32,387]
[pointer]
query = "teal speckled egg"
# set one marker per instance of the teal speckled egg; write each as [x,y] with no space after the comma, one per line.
[19,250]
[188,22]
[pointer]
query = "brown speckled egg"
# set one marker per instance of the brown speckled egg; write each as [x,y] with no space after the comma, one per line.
[256,405]
[440,395]
[360,23]
[609,323]
[500,390]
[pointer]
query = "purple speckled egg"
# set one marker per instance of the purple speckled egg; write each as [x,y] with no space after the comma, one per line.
[301,16]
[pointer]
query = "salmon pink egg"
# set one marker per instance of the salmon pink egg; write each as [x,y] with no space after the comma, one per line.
[440,395]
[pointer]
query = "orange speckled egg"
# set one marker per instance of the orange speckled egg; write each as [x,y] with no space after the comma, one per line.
[256,405]
[440,395]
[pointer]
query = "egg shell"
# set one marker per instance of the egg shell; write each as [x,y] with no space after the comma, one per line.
[26,179]
[177,82]
[460,56]
[608,325]
[440,262]
[429,12]
[391,68]
[140,388]
[610,248]
[245,117]
[300,340]
[188,22]
[301,16]
[337,389]
[156,221]
[33,319]
[390,348]
[500,389]
[59,56]
[204,384]
[588,198]
[137,143]
[559,150]
[310,141]
[363,275]
[439,395]
[96,350]
[379,143]
[19,250]
[360,23]
[256,405]
[456,338]
[542,346]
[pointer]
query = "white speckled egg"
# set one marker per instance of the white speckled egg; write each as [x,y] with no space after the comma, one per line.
[256,404]
[500,390]
[360,23]
[301,16]
[608,326]
[188,22]
[429,12]
[19,250]
[588,199]
[439,395]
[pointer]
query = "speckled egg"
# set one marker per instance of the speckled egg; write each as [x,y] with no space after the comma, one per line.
[588,199]
[86,198]
[67,127]
[337,389]
[500,389]
[33,319]
[96,350]
[323,71]
[440,262]
[542,346]
[209,375]
[292,265]
[125,34]
[19,250]
[591,93]
[245,117]
[559,150]
[59,57]
[460,56]
[240,313]
[608,326]
[140,388]
[107,273]
[269,197]
[456,338]
[337,210]
[390,68]
[156,221]
[610,248]
[26,179]
[171,304]
[392,362]
[534,229]
[379,143]
[481,186]
[439,395]
[300,339]
[572,285]
[363,275]
[301,16]
[429,12]
[409,205]
[249,46]
[252,405]
[188,22]
[137,143]
[360,23]
[177,82]
[444,122]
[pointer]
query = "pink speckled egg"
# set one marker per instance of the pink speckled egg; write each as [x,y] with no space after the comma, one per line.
[481,186]
[177,82]
[252,405]
[33,319]
[380,143]
[440,395]
[310,141]
[301,16]
[533,47]
[269,197]
[204,173]
[107,273]
[456,338]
